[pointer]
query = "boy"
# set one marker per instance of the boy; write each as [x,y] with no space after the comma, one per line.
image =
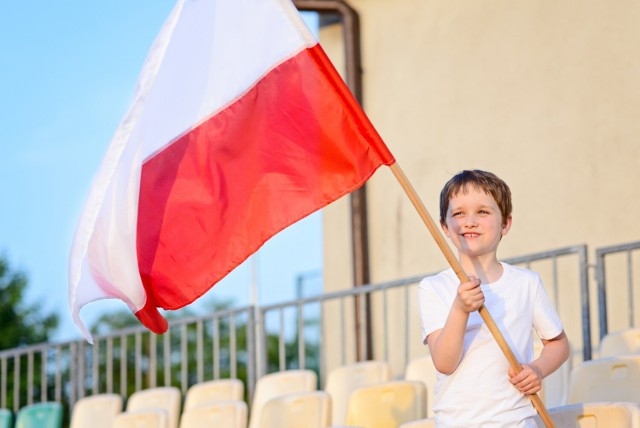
[476,386]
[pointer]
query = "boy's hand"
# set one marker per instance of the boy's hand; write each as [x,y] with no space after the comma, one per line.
[528,381]
[470,296]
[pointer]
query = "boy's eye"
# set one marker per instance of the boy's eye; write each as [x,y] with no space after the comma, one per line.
[456,213]
[483,212]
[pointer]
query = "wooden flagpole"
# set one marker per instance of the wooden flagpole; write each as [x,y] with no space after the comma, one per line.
[462,276]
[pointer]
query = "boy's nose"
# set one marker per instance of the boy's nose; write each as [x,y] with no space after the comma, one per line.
[470,221]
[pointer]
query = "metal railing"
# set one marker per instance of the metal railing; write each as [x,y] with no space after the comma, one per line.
[560,269]
[193,350]
[630,276]
[246,343]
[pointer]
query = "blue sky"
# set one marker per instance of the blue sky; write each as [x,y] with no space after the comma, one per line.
[68,70]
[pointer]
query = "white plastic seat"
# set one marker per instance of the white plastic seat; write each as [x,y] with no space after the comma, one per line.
[555,386]
[96,411]
[387,404]
[150,418]
[303,409]
[167,398]
[606,379]
[278,384]
[420,423]
[221,413]
[602,414]
[422,369]
[620,342]
[214,390]
[342,381]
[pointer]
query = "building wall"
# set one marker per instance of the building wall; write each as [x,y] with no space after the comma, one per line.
[544,94]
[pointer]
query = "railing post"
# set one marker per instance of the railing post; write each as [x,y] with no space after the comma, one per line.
[584,299]
[252,351]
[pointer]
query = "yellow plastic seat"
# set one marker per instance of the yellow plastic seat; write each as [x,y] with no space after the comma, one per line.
[606,379]
[150,418]
[221,413]
[620,342]
[278,384]
[303,409]
[342,381]
[214,390]
[40,415]
[388,404]
[96,411]
[167,398]
[422,369]
[592,415]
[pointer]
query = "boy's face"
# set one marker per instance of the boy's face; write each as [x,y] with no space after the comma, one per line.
[474,222]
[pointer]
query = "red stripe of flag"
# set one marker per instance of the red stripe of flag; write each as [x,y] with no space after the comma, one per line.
[291,145]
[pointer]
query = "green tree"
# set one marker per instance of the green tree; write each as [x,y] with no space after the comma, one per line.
[22,323]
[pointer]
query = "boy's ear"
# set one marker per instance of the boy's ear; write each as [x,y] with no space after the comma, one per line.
[445,229]
[507,225]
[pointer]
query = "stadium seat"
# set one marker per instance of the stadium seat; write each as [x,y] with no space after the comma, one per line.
[620,342]
[554,387]
[606,379]
[342,381]
[167,398]
[6,418]
[303,409]
[40,415]
[149,418]
[221,413]
[602,414]
[387,404]
[420,423]
[96,411]
[277,384]
[214,390]
[422,369]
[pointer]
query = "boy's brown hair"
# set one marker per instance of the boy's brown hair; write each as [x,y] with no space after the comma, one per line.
[481,180]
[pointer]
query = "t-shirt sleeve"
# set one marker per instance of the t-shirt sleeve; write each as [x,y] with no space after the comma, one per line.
[546,320]
[433,311]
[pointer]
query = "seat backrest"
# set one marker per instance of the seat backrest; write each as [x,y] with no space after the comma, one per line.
[214,390]
[221,413]
[387,404]
[277,384]
[303,409]
[342,381]
[420,423]
[606,379]
[149,418]
[601,414]
[96,411]
[555,386]
[6,418]
[620,342]
[422,369]
[167,398]
[40,415]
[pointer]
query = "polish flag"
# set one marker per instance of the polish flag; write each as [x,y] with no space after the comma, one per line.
[240,126]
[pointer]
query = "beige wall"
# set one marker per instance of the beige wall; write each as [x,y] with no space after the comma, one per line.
[546,94]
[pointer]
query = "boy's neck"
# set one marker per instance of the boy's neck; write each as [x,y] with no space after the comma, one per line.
[487,269]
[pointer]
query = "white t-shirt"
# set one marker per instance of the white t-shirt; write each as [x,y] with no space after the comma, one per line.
[478,393]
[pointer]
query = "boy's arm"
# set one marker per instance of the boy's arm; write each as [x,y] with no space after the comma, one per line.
[446,344]
[554,352]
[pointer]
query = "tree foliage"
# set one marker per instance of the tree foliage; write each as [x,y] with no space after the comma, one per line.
[22,323]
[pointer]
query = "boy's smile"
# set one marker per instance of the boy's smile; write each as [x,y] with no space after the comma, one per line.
[474,223]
